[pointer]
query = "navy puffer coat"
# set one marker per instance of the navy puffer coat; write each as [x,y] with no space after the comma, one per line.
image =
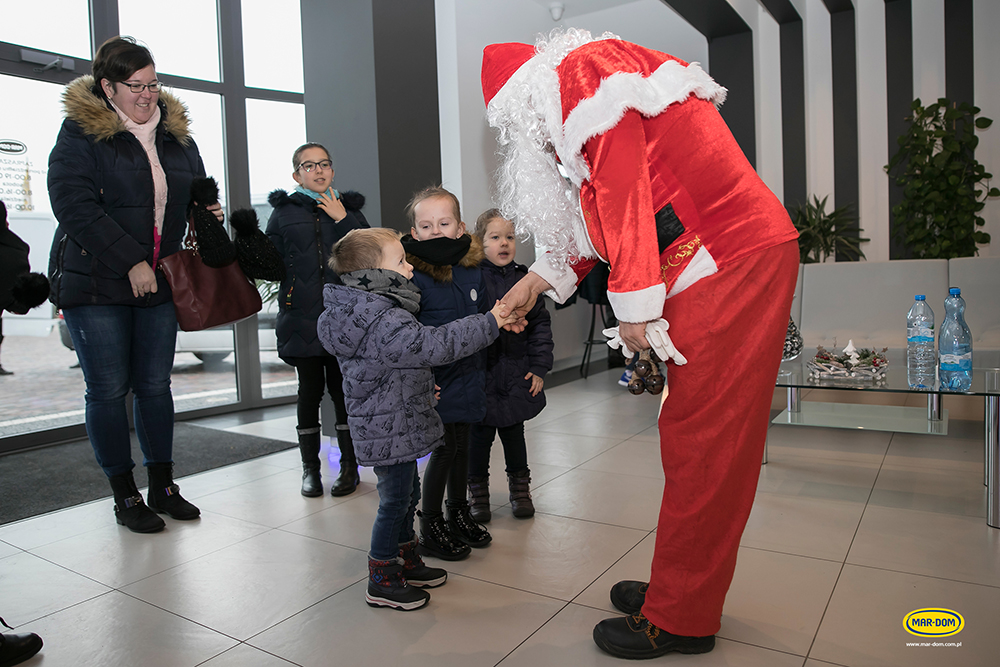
[448,293]
[101,189]
[386,358]
[514,355]
[304,234]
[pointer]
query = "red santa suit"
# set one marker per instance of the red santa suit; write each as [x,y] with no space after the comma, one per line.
[692,235]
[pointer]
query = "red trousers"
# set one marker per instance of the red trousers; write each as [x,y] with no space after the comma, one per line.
[713,426]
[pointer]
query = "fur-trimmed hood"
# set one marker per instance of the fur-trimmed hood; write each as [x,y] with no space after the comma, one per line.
[351,199]
[97,119]
[442,274]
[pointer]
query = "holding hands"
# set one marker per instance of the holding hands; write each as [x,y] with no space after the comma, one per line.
[506,317]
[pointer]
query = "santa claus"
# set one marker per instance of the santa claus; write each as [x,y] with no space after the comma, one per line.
[616,153]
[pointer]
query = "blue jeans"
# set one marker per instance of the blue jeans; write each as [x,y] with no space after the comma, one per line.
[398,496]
[122,348]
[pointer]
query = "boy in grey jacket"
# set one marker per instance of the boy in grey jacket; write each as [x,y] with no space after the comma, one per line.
[386,357]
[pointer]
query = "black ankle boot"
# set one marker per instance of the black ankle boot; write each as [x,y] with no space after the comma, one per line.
[464,527]
[387,587]
[348,479]
[130,510]
[479,498]
[164,496]
[520,497]
[416,572]
[437,541]
[309,446]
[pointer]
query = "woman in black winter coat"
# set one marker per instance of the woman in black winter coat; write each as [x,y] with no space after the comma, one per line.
[516,365]
[303,227]
[119,181]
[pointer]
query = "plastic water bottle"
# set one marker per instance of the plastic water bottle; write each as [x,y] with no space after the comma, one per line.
[921,360]
[955,344]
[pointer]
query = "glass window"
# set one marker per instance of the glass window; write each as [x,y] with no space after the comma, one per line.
[272,44]
[205,112]
[187,47]
[30,24]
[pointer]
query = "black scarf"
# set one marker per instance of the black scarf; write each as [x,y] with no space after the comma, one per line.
[387,283]
[441,251]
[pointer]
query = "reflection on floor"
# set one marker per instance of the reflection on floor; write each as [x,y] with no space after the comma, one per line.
[850,532]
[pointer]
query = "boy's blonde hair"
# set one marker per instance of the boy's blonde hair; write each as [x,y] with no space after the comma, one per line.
[484,220]
[431,193]
[360,249]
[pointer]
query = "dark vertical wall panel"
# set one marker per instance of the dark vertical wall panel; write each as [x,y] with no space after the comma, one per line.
[730,61]
[793,113]
[959,67]
[845,114]
[899,95]
[409,135]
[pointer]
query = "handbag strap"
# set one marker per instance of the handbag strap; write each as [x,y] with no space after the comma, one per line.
[191,241]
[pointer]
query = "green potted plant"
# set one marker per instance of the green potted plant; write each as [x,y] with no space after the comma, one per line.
[822,234]
[943,183]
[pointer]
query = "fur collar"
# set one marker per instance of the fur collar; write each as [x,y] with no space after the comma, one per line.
[97,119]
[442,274]
[351,199]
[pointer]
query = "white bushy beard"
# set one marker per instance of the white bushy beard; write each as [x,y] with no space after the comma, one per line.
[531,192]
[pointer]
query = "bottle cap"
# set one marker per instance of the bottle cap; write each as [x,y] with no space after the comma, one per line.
[955,291]
[920,297]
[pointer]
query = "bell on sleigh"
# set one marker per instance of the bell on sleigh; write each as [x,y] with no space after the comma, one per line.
[793,342]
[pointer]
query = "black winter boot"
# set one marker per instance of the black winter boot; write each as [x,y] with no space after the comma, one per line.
[520,498]
[130,510]
[479,498]
[387,587]
[15,649]
[309,445]
[414,569]
[348,479]
[164,496]
[464,527]
[437,541]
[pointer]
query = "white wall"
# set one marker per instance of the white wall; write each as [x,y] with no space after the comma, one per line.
[987,58]
[873,135]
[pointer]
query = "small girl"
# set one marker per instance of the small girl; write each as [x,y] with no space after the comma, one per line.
[515,370]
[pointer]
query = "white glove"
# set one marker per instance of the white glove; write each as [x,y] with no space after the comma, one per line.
[656,336]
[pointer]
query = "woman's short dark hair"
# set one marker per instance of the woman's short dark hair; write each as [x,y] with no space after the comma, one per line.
[304,147]
[119,58]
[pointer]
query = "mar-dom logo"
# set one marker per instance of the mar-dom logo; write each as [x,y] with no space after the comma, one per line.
[933,622]
[12,147]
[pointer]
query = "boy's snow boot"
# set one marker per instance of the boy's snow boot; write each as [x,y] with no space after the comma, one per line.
[520,497]
[463,526]
[414,569]
[130,510]
[479,498]
[164,497]
[348,479]
[309,446]
[387,587]
[436,540]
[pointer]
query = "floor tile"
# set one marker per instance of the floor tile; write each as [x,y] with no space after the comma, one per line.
[596,423]
[8,550]
[58,525]
[243,655]
[348,523]
[250,586]
[864,622]
[634,565]
[115,556]
[956,451]
[621,500]
[548,555]
[220,479]
[115,629]
[467,623]
[568,640]
[636,456]
[564,450]
[803,525]
[31,587]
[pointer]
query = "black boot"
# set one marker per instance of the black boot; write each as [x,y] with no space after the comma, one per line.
[309,445]
[479,498]
[165,497]
[629,596]
[520,497]
[15,649]
[464,527]
[436,540]
[130,511]
[348,479]
[414,569]
[635,638]
[387,587]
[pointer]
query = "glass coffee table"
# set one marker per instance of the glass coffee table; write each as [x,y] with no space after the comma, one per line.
[795,376]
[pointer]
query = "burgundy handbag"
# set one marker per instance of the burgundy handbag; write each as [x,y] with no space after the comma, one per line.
[205,297]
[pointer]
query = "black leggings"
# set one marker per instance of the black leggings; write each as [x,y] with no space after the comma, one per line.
[515,450]
[447,467]
[314,373]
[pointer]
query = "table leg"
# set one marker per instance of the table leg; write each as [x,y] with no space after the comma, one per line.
[992,419]
[934,407]
[792,403]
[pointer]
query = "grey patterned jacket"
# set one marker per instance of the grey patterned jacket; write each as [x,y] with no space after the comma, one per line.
[386,357]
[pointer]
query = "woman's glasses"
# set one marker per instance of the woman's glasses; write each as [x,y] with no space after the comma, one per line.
[139,87]
[308,167]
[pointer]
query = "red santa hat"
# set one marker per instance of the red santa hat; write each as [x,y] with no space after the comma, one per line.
[500,61]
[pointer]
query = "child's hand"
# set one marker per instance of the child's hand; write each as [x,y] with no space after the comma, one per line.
[437,393]
[332,206]
[511,318]
[536,383]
